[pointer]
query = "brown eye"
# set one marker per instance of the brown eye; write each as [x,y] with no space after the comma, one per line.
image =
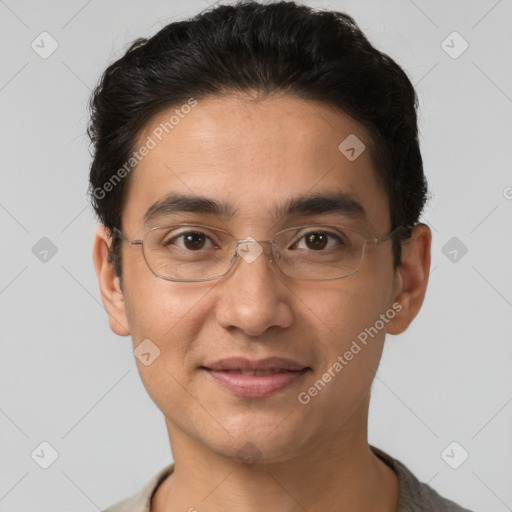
[316,241]
[320,241]
[194,240]
[190,240]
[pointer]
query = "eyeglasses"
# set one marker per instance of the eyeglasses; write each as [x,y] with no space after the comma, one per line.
[194,252]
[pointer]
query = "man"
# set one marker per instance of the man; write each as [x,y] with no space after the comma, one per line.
[258,180]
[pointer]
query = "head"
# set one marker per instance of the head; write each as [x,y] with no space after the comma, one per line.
[247,107]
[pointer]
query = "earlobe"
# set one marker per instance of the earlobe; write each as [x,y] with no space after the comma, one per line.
[411,278]
[109,283]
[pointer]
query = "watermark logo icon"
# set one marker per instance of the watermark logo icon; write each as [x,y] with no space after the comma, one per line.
[454,455]
[44,250]
[249,249]
[352,147]
[249,454]
[454,250]
[44,45]
[146,352]
[44,455]
[454,45]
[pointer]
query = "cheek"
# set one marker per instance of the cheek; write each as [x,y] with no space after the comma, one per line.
[344,309]
[350,321]
[349,347]
[167,313]
[165,320]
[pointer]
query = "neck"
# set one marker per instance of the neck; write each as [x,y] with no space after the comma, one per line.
[342,470]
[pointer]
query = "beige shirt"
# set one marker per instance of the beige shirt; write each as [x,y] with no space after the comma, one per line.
[414,495]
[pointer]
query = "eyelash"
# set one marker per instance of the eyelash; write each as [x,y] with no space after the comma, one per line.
[302,237]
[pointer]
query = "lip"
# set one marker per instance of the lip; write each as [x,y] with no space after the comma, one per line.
[257,378]
[242,363]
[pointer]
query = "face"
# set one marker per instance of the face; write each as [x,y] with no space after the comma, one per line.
[256,156]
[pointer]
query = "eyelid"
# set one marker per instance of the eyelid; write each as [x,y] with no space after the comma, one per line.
[181,228]
[328,230]
[186,227]
[332,235]
[172,236]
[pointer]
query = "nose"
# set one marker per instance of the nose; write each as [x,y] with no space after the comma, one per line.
[253,296]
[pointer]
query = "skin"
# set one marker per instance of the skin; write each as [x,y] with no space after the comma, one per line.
[254,154]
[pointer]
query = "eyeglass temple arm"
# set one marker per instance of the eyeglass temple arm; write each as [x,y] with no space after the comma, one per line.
[398,229]
[119,234]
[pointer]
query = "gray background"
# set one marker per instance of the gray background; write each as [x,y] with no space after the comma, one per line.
[67,380]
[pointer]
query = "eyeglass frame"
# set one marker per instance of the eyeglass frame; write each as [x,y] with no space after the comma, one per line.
[235,255]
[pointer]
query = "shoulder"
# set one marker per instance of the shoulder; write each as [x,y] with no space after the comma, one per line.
[416,496]
[141,502]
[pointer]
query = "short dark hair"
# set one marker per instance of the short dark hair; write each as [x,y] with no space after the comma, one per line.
[268,48]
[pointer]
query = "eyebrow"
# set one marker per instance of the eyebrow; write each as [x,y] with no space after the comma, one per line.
[340,203]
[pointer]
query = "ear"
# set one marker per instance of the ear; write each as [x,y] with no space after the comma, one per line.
[110,286]
[411,278]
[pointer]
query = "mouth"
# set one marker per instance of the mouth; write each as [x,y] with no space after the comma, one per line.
[255,379]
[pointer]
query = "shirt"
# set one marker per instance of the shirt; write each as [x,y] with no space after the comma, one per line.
[414,496]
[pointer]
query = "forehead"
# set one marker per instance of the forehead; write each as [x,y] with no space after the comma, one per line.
[254,155]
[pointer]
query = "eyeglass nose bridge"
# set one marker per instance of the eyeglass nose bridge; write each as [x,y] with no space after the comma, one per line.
[249,249]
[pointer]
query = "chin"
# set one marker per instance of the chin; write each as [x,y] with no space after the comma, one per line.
[253,441]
